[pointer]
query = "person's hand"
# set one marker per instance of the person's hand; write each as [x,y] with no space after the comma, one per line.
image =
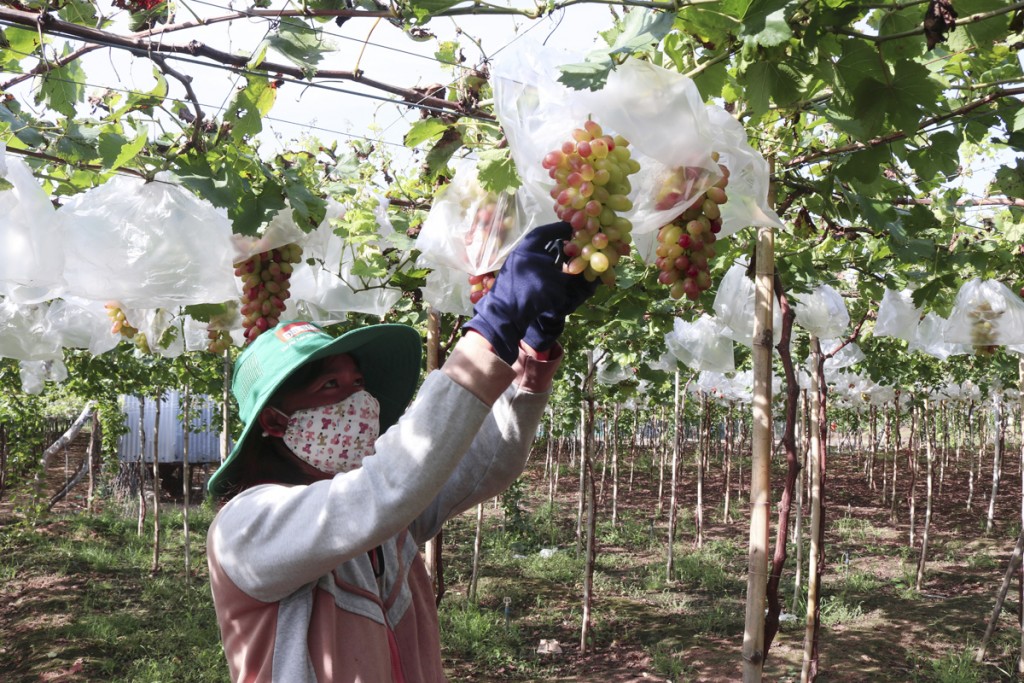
[530,286]
[543,332]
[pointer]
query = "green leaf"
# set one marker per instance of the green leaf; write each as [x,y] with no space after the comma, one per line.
[590,75]
[423,10]
[79,143]
[639,30]
[300,44]
[775,31]
[768,82]
[249,106]
[6,184]
[144,101]
[116,150]
[441,152]
[22,127]
[63,88]
[308,209]
[496,170]
[79,12]
[424,130]
[1009,181]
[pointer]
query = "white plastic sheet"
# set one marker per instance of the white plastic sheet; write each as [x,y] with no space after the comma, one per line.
[35,373]
[928,339]
[986,314]
[26,333]
[447,291]
[468,228]
[701,345]
[897,315]
[81,324]
[844,357]
[734,307]
[31,246]
[147,245]
[822,312]
[610,372]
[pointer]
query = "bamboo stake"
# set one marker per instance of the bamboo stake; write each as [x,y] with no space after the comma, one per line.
[761,450]
[927,424]
[156,486]
[997,457]
[186,482]
[809,670]
[670,563]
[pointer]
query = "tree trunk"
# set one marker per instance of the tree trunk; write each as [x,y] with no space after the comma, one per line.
[588,491]
[615,468]
[703,441]
[225,408]
[186,481]
[432,549]
[142,465]
[912,468]
[156,485]
[816,552]
[1015,558]
[670,563]
[926,436]
[997,457]
[761,445]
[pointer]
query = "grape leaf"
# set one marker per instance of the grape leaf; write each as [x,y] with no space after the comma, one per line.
[496,170]
[424,130]
[116,150]
[249,106]
[775,30]
[422,10]
[63,88]
[21,126]
[639,30]
[1008,181]
[300,44]
[79,12]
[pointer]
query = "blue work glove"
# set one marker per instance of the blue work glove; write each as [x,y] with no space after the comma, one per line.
[530,286]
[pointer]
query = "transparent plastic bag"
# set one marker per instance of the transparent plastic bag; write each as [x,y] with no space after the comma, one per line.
[734,307]
[147,245]
[31,244]
[35,373]
[468,228]
[822,312]
[26,333]
[327,291]
[701,345]
[610,372]
[928,339]
[844,357]
[81,324]
[897,315]
[986,314]
[447,291]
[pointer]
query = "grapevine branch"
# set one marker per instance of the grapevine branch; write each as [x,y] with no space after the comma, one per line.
[148,48]
[186,82]
[974,18]
[900,135]
[46,66]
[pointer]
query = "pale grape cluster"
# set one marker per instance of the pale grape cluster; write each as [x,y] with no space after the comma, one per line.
[686,245]
[265,278]
[120,325]
[479,285]
[591,174]
[220,340]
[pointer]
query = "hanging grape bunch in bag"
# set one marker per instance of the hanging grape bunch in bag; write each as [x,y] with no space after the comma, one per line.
[120,325]
[591,173]
[265,277]
[686,245]
[491,225]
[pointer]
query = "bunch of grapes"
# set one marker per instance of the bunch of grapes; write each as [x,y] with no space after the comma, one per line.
[220,340]
[591,174]
[119,323]
[265,279]
[983,328]
[491,226]
[479,285]
[686,245]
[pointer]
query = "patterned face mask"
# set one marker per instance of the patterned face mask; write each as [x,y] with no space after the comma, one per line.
[335,438]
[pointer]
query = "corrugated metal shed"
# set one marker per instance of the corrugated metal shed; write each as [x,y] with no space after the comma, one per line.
[204,439]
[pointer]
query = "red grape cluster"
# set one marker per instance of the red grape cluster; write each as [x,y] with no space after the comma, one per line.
[265,279]
[591,174]
[479,285]
[687,244]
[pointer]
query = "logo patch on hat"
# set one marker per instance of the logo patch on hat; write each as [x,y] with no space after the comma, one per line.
[287,333]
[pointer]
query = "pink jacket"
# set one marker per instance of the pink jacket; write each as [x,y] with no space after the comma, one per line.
[325,582]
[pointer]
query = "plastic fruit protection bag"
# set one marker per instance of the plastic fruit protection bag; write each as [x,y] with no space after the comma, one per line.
[897,315]
[26,332]
[822,312]
[468,228]
[81,324]
[734,307]
[928,339]
[35,373]
[327,290]
[701,345]
[844,357]
[31,245]
[986,314]
[147,245]
[447,291]
[610,372]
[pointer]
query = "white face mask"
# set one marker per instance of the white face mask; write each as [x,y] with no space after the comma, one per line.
[335,438]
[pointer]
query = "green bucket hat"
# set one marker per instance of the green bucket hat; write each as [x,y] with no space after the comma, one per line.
[388,356]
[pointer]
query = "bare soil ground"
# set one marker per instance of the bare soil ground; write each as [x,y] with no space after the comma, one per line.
[885,632]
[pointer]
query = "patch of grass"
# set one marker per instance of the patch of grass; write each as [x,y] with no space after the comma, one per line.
[953,667]
[668,662]
[981,561]
[850,530]
[838,609]
[476,634]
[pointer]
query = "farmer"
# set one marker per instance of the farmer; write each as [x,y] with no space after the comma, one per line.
[314,559]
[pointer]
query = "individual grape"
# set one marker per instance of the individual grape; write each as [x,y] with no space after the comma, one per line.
[480,285]
[686,245]
[265,278]
[591,174]
[119,323]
